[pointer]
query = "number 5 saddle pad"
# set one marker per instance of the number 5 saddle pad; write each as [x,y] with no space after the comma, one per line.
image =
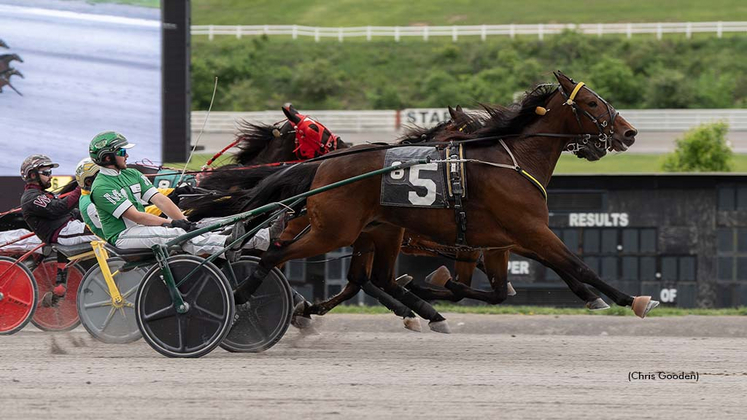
[416,186]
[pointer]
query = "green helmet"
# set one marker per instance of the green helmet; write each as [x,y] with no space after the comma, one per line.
[107,144]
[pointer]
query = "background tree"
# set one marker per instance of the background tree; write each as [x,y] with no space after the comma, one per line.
[702,149]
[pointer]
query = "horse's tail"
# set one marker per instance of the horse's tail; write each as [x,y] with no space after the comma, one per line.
[283,184]
[270,184]
[213,204]
[235,177]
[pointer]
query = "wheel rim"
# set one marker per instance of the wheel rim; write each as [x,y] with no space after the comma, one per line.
[98,315]
[18,295]
[202,327]
[64,315]
[264,319]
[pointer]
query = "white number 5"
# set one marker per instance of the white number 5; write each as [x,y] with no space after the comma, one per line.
[430,185]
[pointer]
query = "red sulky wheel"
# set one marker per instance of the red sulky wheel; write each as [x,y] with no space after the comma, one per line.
[17,296]
[64,315]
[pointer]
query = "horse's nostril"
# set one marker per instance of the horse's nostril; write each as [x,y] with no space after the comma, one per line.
[631,133]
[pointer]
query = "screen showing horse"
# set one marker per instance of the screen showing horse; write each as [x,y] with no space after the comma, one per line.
[69,70]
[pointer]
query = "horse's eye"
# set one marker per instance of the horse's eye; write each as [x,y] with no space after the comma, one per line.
[593,104]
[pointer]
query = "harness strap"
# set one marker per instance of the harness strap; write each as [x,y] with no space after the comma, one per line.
[457,190]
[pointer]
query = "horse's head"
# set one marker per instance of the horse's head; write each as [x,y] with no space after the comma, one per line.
[600,126]
[312,138]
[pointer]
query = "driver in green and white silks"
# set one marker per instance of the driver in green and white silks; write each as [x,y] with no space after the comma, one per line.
[120,193]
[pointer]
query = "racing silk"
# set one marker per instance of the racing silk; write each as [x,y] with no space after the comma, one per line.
[45,213]
[89,214]
[115,191]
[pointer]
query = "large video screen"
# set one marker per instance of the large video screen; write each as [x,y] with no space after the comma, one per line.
[76,69]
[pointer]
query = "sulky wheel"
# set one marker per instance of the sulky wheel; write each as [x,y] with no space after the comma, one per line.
[18,296]
[108,321]
[63,316]
[210,308]
[261,322]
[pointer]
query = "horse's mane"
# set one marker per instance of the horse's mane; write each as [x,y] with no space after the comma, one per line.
[254,138]
[417,134]
[503,120]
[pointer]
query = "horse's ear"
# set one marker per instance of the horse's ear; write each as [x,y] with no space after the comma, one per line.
[452,112]
[459,108]
[564,80]
[291,114]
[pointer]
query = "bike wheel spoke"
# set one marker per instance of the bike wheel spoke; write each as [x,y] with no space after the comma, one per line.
[181,329]
[18,300]
[264,300]
[208,315]
[198,285]
[165,312]
[253,320]
[108,318]
[102,285]
[100,304]
[131,291]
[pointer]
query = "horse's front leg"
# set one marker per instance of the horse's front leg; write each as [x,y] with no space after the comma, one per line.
[554,254]
[592,300]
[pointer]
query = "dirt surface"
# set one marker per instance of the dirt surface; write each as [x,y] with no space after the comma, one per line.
[367,366]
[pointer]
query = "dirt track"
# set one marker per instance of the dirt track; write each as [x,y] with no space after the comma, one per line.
[369,367]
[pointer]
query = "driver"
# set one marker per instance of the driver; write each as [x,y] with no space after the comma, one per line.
[120,193]
[53,219]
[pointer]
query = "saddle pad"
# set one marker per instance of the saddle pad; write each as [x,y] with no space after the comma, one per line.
[417,186]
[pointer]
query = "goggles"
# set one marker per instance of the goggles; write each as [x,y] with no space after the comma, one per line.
[121,152]
[46,172]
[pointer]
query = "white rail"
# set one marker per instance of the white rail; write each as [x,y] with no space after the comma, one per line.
[391,121]
[483,31]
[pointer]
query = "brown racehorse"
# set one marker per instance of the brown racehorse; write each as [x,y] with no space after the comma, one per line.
[505,211]
[264,144]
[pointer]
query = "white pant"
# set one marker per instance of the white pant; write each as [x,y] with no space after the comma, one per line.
[144,237]
[261,240]
[74,233]
[20,247]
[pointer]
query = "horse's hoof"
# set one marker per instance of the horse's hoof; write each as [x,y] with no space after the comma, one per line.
[412,324]
[642,305]
[439,276]
[510,289]
[403,280]
[440,327]
[597,305]
[302,322]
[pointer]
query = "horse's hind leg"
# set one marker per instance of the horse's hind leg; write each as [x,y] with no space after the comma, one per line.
[315,242]
[496,267]
[464,268]
[388,241]
[358,278]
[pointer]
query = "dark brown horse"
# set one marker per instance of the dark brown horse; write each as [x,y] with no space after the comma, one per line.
[5,79]
[505,211]
[262,144]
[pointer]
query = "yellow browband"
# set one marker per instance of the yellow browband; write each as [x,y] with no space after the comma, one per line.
[573,94]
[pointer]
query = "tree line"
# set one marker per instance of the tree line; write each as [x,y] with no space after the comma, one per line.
[263,73]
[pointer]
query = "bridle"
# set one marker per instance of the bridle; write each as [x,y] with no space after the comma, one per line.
[309,142]
[602,140]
